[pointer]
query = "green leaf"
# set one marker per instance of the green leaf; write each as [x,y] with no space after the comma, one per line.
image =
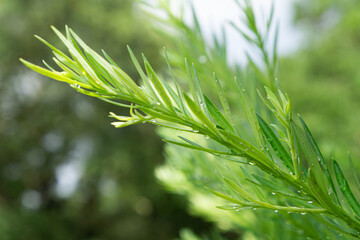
[223,196]
[179,92]
[250,114]
[243,193]
[57,51]
[223,100]
[203,106]
[321,196]
[54,75]
[218,117]
[198,147]
[305,148]
[200,114]
[319,156]
[79,58]
[353,169]
[144,78]
[241,146]
[345,189]
[158,86]
[272,186]
[275,144]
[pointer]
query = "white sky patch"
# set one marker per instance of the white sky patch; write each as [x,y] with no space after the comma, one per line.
[69,173]
[215,14]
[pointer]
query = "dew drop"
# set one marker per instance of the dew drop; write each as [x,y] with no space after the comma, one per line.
[276,210]
[195,131]
[254,209]
[310,201]
[330,191]
[251,163]
[291,173]
[157,103]
[207,137]
[303,213]
[273,193]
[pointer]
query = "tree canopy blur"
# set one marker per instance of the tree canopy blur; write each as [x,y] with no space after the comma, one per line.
[324,77]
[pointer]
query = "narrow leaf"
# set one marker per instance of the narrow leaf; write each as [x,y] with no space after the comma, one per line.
[250,114]
[199,114]
[345,189]
[275,144]
[54,75]
[218,117]
[158,85]
[223,100]
[223,196]
[319,156]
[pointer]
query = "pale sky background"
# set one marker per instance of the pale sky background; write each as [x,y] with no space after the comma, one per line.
[212,14]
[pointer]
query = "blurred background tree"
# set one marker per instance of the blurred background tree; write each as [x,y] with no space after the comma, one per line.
[67,174]
[323,78]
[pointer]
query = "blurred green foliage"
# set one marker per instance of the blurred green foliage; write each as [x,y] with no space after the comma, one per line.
[48,135]
[324,77]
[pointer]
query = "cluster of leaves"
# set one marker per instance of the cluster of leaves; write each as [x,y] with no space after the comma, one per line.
[47,130]
[282,168]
